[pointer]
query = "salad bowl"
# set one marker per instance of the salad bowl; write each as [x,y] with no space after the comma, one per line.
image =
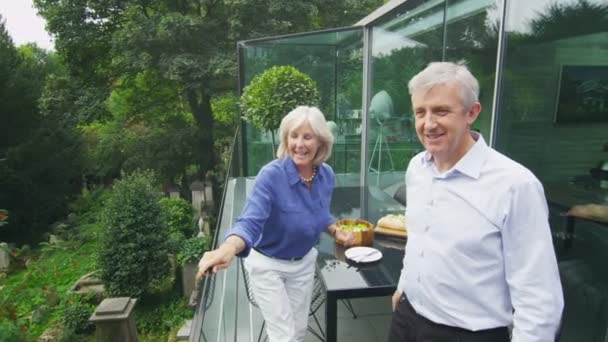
[362,230]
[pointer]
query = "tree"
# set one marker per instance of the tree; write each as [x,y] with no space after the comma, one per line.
[274,93]
[570,20]
[188,43]
[39,154]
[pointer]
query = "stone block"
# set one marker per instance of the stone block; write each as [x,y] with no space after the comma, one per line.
[183,334]
[5,260]
[114,320]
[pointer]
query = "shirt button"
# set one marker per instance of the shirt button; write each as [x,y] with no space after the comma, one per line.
[427,228]
[431,202]
[418,279]
[422,254]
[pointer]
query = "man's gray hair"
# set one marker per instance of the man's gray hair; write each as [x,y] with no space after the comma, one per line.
[295,119]
[441,73]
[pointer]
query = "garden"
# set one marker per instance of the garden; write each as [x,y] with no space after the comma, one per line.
[130,238]
[102,139]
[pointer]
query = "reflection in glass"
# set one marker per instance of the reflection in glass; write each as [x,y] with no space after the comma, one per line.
[333,59]
[544,38]
[472,36]
[401,46]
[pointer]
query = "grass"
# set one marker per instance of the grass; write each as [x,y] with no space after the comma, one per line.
[58,266]
[54,266]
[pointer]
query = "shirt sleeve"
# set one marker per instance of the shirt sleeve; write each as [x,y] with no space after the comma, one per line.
[530,265]
[250,223]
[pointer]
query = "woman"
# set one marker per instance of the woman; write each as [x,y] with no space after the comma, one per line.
[281,222]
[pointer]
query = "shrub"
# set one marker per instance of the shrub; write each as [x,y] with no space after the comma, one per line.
[192,250]
[9,331]
[76,319]
[133,245]
[161,313]
[276,92]
[68,335]
[178,216]
[87,206]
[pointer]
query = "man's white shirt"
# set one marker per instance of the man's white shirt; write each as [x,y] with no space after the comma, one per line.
[479,252]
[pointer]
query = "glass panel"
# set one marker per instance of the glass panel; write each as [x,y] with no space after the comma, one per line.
[334,61]
[554,120]
[472,35]
[346,157]
[402,45]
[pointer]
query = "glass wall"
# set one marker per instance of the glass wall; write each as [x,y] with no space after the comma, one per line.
[402,44]
[550,114]
[334,60]
[553,118]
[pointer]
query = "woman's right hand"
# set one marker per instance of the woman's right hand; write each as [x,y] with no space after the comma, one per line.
[216,260]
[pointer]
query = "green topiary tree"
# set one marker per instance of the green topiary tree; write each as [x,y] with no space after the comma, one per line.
[274,93]
[133,251]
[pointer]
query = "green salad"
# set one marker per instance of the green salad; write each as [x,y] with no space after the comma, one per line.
[359,227]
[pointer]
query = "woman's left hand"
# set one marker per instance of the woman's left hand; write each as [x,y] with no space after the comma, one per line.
[346,237]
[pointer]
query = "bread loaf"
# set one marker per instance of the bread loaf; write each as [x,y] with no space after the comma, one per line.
[396,222]
[393,225]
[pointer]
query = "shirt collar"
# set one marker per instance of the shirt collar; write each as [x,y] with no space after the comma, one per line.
[293,175]
[471,163]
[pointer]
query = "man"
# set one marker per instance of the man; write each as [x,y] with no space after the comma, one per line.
[479,256]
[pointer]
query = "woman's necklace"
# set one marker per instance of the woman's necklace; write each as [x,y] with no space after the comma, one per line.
[309,180]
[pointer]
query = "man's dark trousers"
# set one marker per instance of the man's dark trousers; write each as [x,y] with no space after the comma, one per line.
[408,326]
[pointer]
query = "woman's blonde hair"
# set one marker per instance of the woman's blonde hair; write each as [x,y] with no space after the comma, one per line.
[298,117]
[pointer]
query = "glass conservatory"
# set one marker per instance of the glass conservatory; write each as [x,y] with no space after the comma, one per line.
[543,72]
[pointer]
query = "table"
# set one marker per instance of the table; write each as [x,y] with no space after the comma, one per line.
[565,195]
[343,279]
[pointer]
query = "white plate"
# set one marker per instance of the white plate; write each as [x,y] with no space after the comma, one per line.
[363,254]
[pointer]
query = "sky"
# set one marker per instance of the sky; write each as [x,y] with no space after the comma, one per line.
[23,24]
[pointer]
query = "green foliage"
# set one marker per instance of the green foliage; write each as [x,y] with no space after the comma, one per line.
[145,97]
[160,314]
[24,290]
[74,101]
[163,145]
[225,109]
[9,331]
[572,19]
[144,60]
[274,93]
[192,250]
[133,251]
[38,178]
[76,318]
[39,154]
[86,208]
[105,146]
[178,216]
[226,115]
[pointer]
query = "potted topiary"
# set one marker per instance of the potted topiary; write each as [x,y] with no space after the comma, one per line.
[189,254]
[273,94]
